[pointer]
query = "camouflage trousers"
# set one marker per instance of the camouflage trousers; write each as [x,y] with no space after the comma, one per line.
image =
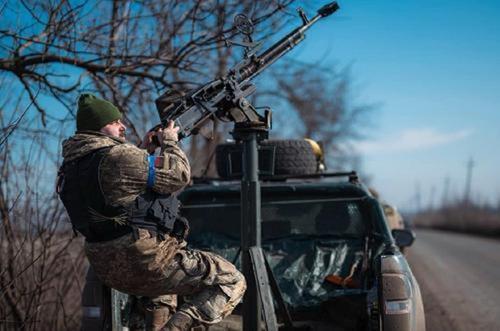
[151,267]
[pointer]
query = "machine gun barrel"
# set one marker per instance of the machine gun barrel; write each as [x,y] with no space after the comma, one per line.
[283,46]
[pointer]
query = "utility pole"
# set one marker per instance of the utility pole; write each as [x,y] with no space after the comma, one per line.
[468,180]
[446,192]
[431,198]
[418,197]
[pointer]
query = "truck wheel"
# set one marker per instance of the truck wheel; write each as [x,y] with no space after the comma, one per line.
[291,157]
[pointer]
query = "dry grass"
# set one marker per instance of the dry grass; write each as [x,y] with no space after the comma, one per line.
[462,217]
[42,263]
[41,279]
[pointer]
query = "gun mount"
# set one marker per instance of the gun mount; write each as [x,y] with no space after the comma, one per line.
[225,98]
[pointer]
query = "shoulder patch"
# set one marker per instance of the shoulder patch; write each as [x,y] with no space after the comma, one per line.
[159,162]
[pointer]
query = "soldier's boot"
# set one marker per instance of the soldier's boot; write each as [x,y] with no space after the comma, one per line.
[179,322]
[156,317]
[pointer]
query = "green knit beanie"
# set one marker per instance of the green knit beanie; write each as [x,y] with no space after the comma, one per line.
[94,113]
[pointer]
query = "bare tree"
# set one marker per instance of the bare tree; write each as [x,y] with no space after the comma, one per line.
[323,102]
[128,52]
[41,262]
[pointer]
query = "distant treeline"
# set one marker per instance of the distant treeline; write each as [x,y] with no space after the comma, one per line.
[466,217]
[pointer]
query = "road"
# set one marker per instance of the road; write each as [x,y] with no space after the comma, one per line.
[459,276]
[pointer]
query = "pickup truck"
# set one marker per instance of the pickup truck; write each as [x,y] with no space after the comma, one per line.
[334,262]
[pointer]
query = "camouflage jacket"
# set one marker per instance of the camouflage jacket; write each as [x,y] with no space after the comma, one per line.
[123,171]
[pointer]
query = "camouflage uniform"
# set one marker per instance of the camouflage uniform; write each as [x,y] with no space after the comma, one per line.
[142,263]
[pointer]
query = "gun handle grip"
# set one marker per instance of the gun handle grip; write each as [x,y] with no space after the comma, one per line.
[154,139]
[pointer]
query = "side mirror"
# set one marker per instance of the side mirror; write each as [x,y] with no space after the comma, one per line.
[403,237]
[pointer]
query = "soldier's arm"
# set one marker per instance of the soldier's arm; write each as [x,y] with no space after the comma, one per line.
[127,171]
[172,170]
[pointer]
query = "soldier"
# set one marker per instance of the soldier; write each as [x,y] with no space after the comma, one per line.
[120,198]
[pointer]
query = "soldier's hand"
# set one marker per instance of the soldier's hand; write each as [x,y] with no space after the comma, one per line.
[170,132]
[148,143]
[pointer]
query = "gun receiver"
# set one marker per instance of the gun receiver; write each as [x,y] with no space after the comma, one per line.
[225,97]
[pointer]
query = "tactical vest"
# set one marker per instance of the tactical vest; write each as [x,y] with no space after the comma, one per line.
[81,194]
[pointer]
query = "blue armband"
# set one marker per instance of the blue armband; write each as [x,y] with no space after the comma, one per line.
[151,171]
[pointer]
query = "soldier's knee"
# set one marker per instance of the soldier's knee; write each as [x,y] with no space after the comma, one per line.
[241,282]
[238,287]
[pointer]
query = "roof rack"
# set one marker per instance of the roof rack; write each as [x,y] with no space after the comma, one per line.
[351,175]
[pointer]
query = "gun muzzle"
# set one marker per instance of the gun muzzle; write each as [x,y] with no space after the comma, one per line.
[328,9]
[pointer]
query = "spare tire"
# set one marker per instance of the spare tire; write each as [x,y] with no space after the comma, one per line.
[291,157]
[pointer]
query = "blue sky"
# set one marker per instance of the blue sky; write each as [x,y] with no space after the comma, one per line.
[434,68]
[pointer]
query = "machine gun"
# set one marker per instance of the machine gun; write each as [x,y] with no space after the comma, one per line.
[225,97]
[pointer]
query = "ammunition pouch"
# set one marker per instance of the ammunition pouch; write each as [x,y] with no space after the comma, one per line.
[154,212]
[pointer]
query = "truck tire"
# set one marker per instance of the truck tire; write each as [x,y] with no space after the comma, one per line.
[291,157]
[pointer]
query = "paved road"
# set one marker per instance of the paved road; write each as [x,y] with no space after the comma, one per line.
[459,276]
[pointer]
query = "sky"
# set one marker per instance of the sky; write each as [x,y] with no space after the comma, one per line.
[433,67]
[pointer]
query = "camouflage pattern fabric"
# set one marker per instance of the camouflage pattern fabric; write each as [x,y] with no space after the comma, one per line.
[123,172]
[87,142]
[152,267]
[148,265]
[151,314]
[168,300]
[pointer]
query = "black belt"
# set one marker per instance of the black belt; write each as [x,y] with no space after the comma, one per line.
[110,231]
[107,231]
